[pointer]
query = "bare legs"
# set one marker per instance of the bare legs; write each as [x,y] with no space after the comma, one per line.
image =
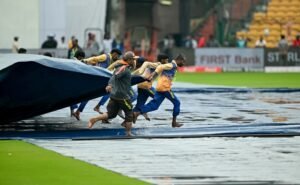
[93,120]
[127,126]
[104,116]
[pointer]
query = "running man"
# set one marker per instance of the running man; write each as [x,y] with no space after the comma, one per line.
[145,89]
[79,55]
[166,73]
[133,95]
[104,60]
[119,88]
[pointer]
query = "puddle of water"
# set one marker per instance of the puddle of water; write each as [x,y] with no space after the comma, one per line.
[214,117]
[234,118]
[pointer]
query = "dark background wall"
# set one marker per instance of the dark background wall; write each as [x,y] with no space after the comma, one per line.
[166,18]
[139,12]
[199,8]
[173,19]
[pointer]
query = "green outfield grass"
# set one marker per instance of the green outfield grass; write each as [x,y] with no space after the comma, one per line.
[243,79]
[22,163]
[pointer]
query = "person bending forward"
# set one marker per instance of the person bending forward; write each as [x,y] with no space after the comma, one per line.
[119,87]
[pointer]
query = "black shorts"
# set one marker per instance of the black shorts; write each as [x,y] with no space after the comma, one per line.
[114,106]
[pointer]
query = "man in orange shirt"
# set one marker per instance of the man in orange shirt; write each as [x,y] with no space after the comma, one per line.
[166,73]
[145,89]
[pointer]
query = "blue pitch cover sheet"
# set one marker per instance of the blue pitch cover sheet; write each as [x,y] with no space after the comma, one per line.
[32,85]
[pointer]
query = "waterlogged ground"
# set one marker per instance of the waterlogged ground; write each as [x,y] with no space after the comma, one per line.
[212,160]
[192,161]
[197,109]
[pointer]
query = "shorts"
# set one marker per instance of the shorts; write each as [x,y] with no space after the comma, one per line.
[114,106]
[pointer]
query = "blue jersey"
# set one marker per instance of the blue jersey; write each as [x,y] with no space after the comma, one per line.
[170,73]
[105,63]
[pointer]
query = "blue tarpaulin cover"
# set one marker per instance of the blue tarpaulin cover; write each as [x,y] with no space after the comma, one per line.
[32,85]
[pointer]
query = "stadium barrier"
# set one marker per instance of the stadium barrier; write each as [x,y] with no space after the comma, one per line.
[282,69]
[273,57]
[231,59]
[216,59]
[277,61]
[200,69]
[239,59]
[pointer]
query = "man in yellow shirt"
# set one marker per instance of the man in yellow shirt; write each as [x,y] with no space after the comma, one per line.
[105,61]
[145,89]
[166,73]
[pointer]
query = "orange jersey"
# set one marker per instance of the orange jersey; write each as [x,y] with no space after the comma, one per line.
[167,73]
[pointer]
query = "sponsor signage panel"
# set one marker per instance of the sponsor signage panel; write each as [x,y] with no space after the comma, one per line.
[230,58]
[273,57]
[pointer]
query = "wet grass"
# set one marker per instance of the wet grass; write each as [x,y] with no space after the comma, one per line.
[243,79]
[24,163]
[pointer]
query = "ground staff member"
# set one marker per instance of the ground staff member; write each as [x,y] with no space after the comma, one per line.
[166,73]
[145,89]
[119,88]
[104,60]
